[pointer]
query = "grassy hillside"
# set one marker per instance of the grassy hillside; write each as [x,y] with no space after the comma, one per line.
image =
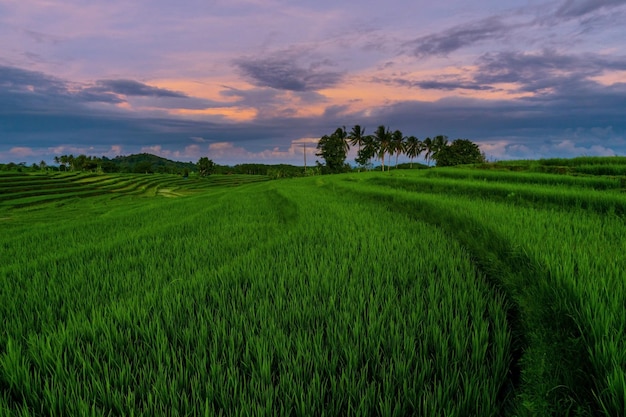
[451,292]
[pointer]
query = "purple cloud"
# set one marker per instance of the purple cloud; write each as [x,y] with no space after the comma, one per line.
[284,74]
[457,37]
[578,8]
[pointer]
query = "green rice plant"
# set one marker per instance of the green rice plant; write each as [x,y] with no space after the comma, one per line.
[557,266]
[36,189]
[274,298]
[518,193]
[602,169]
[584,160]
[432,292]
[561,181]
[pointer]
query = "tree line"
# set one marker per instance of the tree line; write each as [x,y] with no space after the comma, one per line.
[151,164]
[385,144]
[143,163]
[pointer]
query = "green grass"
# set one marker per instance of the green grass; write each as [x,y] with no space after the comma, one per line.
[453,292]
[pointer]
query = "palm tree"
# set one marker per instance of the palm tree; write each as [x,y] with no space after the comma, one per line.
[71,160]
[397,144]
[369,149]
[414,147]
[382,136]
[341,133]
[439,142]
[428,147]
[64,161]
[357,137]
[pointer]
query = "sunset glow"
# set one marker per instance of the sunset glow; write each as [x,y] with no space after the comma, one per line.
[522,81]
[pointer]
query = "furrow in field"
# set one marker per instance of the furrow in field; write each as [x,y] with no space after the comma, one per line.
[553,180]
[528,195]
[550,345]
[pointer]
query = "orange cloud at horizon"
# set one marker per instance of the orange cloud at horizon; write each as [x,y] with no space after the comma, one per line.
[236,114]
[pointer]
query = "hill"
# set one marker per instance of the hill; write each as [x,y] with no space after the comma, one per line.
[146,163]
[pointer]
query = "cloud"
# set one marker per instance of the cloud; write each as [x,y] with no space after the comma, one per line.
[447,83]
[22,89]
[460,36]
[542,75]
[531,71]
[135,88]
[30,89]
[270,103]
[36,154]
[568,148]
[143,95]
[546,73]
[563,97]
[229,152]
[450,85]
[232,153]
[521,26]
[22,151]
[578,8]
[14,79]
[40,37]
[285,74]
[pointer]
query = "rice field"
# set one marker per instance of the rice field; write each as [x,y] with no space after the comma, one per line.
[451,292]
[26,190]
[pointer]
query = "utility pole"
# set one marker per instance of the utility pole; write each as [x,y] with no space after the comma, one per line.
[304,146]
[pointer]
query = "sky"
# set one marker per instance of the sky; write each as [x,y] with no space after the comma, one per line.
[260,81]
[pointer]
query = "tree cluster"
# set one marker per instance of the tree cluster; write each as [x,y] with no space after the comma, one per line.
[77,163]
[22,167]
[385,144]
[334,148]
[206,166]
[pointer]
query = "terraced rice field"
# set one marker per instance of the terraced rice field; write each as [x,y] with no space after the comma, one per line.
[452,292]
[32,189]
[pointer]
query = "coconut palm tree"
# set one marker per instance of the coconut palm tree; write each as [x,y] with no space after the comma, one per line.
[382,137]
[357,137]
[71,160]
[64,161]
[368,150]
[397,144]
[414,147]
[439,142]
[341,133]
[428,147]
